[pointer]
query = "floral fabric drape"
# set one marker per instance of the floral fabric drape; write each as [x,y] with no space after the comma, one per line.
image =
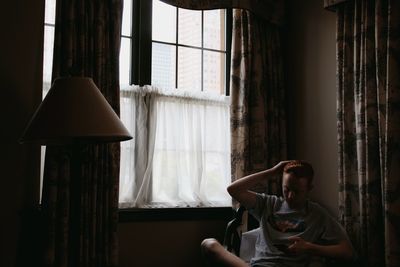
[368,49]
[272,11]
[330,4]
[258,116]
[87,41]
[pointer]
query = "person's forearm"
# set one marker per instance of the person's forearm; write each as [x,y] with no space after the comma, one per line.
[341,250]
[250,181]
[240,189]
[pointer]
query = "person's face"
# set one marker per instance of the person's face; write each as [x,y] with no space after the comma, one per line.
[295,190]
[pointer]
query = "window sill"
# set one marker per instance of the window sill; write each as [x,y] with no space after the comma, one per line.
[175,214]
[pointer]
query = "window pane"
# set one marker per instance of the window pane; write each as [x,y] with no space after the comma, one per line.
[164,22]
[124,61]
[189,32]
[127,18]
[47,58]
[191,163]
[163,66]
[165,182]
[214,29]
[50,12]
[189,68]
[214,72]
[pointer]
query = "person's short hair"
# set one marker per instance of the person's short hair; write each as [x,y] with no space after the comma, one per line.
[300,169]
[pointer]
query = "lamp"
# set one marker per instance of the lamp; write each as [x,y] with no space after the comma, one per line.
[74,114]
[74,111]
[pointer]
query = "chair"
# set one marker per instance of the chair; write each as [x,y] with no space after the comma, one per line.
[240,224]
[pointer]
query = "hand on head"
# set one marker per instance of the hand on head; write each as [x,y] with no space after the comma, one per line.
[279,167]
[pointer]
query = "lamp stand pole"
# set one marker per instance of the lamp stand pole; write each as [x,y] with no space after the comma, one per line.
[75,218]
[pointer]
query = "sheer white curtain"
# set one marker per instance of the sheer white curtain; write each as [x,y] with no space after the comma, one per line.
[180,152]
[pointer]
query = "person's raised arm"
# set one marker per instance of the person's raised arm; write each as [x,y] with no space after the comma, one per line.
[241,188]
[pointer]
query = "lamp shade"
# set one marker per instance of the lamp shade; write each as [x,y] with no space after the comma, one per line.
[74,111]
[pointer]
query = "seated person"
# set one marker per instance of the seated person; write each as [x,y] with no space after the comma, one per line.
[293,228]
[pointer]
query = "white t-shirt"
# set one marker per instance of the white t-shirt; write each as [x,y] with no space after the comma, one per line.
[278,222]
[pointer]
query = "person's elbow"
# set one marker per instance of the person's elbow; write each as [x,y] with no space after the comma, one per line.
[348,254]
[347,251]
[232,190]
[236,192]
[243,196]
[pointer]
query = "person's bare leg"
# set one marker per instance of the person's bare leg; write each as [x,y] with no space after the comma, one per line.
[216,255]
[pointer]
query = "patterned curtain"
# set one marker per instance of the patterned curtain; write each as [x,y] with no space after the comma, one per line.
[368,49]
[87,42]
[330,4]
[258,117]
[270,10]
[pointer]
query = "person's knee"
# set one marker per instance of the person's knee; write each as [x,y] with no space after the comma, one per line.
[215,254]
[210,246]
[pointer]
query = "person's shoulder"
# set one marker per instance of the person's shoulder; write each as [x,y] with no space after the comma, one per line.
[274,198]
[314,205]
[270,200]
[267,196]
[317,210]
[265,204]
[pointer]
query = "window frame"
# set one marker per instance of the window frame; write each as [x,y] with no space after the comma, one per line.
[140,74]
[175,214]
[141,44]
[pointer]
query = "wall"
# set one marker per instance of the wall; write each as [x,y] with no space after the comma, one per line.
[21,44]
[311,64]
[166,243]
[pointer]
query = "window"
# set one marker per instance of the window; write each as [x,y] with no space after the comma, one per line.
[180,152]
[49,26]
[184,49]
[176,51]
